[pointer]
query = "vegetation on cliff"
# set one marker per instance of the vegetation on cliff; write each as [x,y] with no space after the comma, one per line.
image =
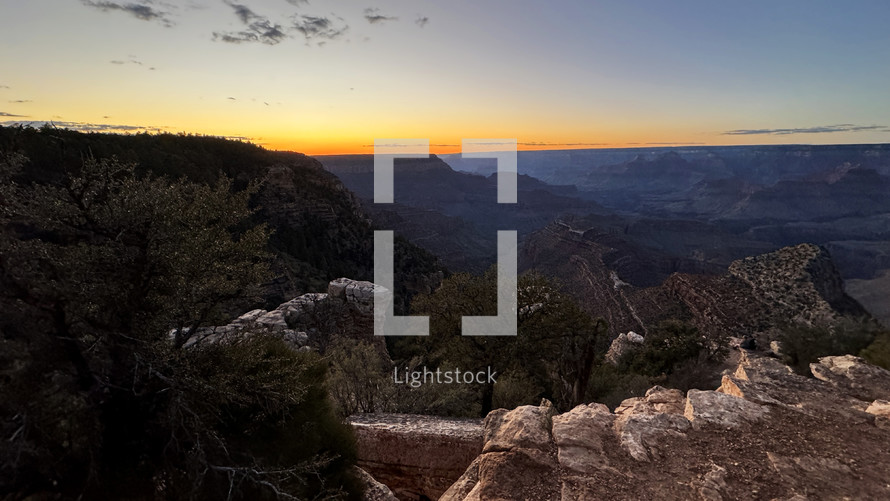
[97,264]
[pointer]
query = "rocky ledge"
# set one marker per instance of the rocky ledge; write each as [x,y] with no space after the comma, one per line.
[766,433]
[309,320]
[418,457]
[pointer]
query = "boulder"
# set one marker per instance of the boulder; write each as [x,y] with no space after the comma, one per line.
[518,446]
[719,409]
[580,435]
[854,376]
[641,434]
[881,410]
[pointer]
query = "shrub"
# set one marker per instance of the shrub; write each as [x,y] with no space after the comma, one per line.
[878,352]
[803,345]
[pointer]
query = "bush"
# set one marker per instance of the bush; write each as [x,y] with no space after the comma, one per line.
[610,385]
[669,346]
[878,352]
[516,388]
[803,345]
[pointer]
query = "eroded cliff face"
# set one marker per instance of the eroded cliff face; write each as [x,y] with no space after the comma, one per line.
[753,296]
[766,433]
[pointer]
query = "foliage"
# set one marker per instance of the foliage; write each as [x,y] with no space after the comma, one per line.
[360,376]
[516,388]
[610,385]
[319,231]
[665,347]
[803,345]
[556,346]
[363,379]
[878,352]
[97,401]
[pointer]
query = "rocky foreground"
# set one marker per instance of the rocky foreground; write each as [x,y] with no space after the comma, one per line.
[766,433]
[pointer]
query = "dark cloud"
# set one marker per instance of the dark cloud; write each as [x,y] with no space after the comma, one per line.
[4,86]
[21,101]
[421,21]
[258,28]
[143,10]
[231,99]
[825,129]
[11,115]
[318,28]
[298,2]
[374,16]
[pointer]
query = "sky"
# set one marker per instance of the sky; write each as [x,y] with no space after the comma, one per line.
[331,76]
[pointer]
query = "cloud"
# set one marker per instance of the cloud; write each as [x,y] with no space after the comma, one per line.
[298,2]
[142,10]
[825,129]
[11,115]
[21,101]
[258,28]
[4,86]
[313,28]
[421,21]
[82,126]
[374,16]
[131,60]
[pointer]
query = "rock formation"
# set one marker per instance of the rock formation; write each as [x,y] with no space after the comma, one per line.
[622,345]
[753,297]
[418,457]
[766,433]
[309,320]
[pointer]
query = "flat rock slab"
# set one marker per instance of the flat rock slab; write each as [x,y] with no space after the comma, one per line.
[416,455]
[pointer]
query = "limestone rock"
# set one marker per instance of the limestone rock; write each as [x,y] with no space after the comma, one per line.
[768,434]
[416,455]
[855,376]
[518,446]
[641,434]
[670,401]
[625,343]
[374,490]
[719,409]
[580,434]
[525,427]
[881,410]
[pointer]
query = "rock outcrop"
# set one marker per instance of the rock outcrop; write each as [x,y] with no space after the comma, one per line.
[634,287]
[310,320]
[418,457]
[374,490]
[766,433]
[625,343]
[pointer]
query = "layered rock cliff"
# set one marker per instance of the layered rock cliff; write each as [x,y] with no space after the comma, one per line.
[753,296]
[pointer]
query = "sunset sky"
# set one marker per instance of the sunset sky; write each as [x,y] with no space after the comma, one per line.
[332,76]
